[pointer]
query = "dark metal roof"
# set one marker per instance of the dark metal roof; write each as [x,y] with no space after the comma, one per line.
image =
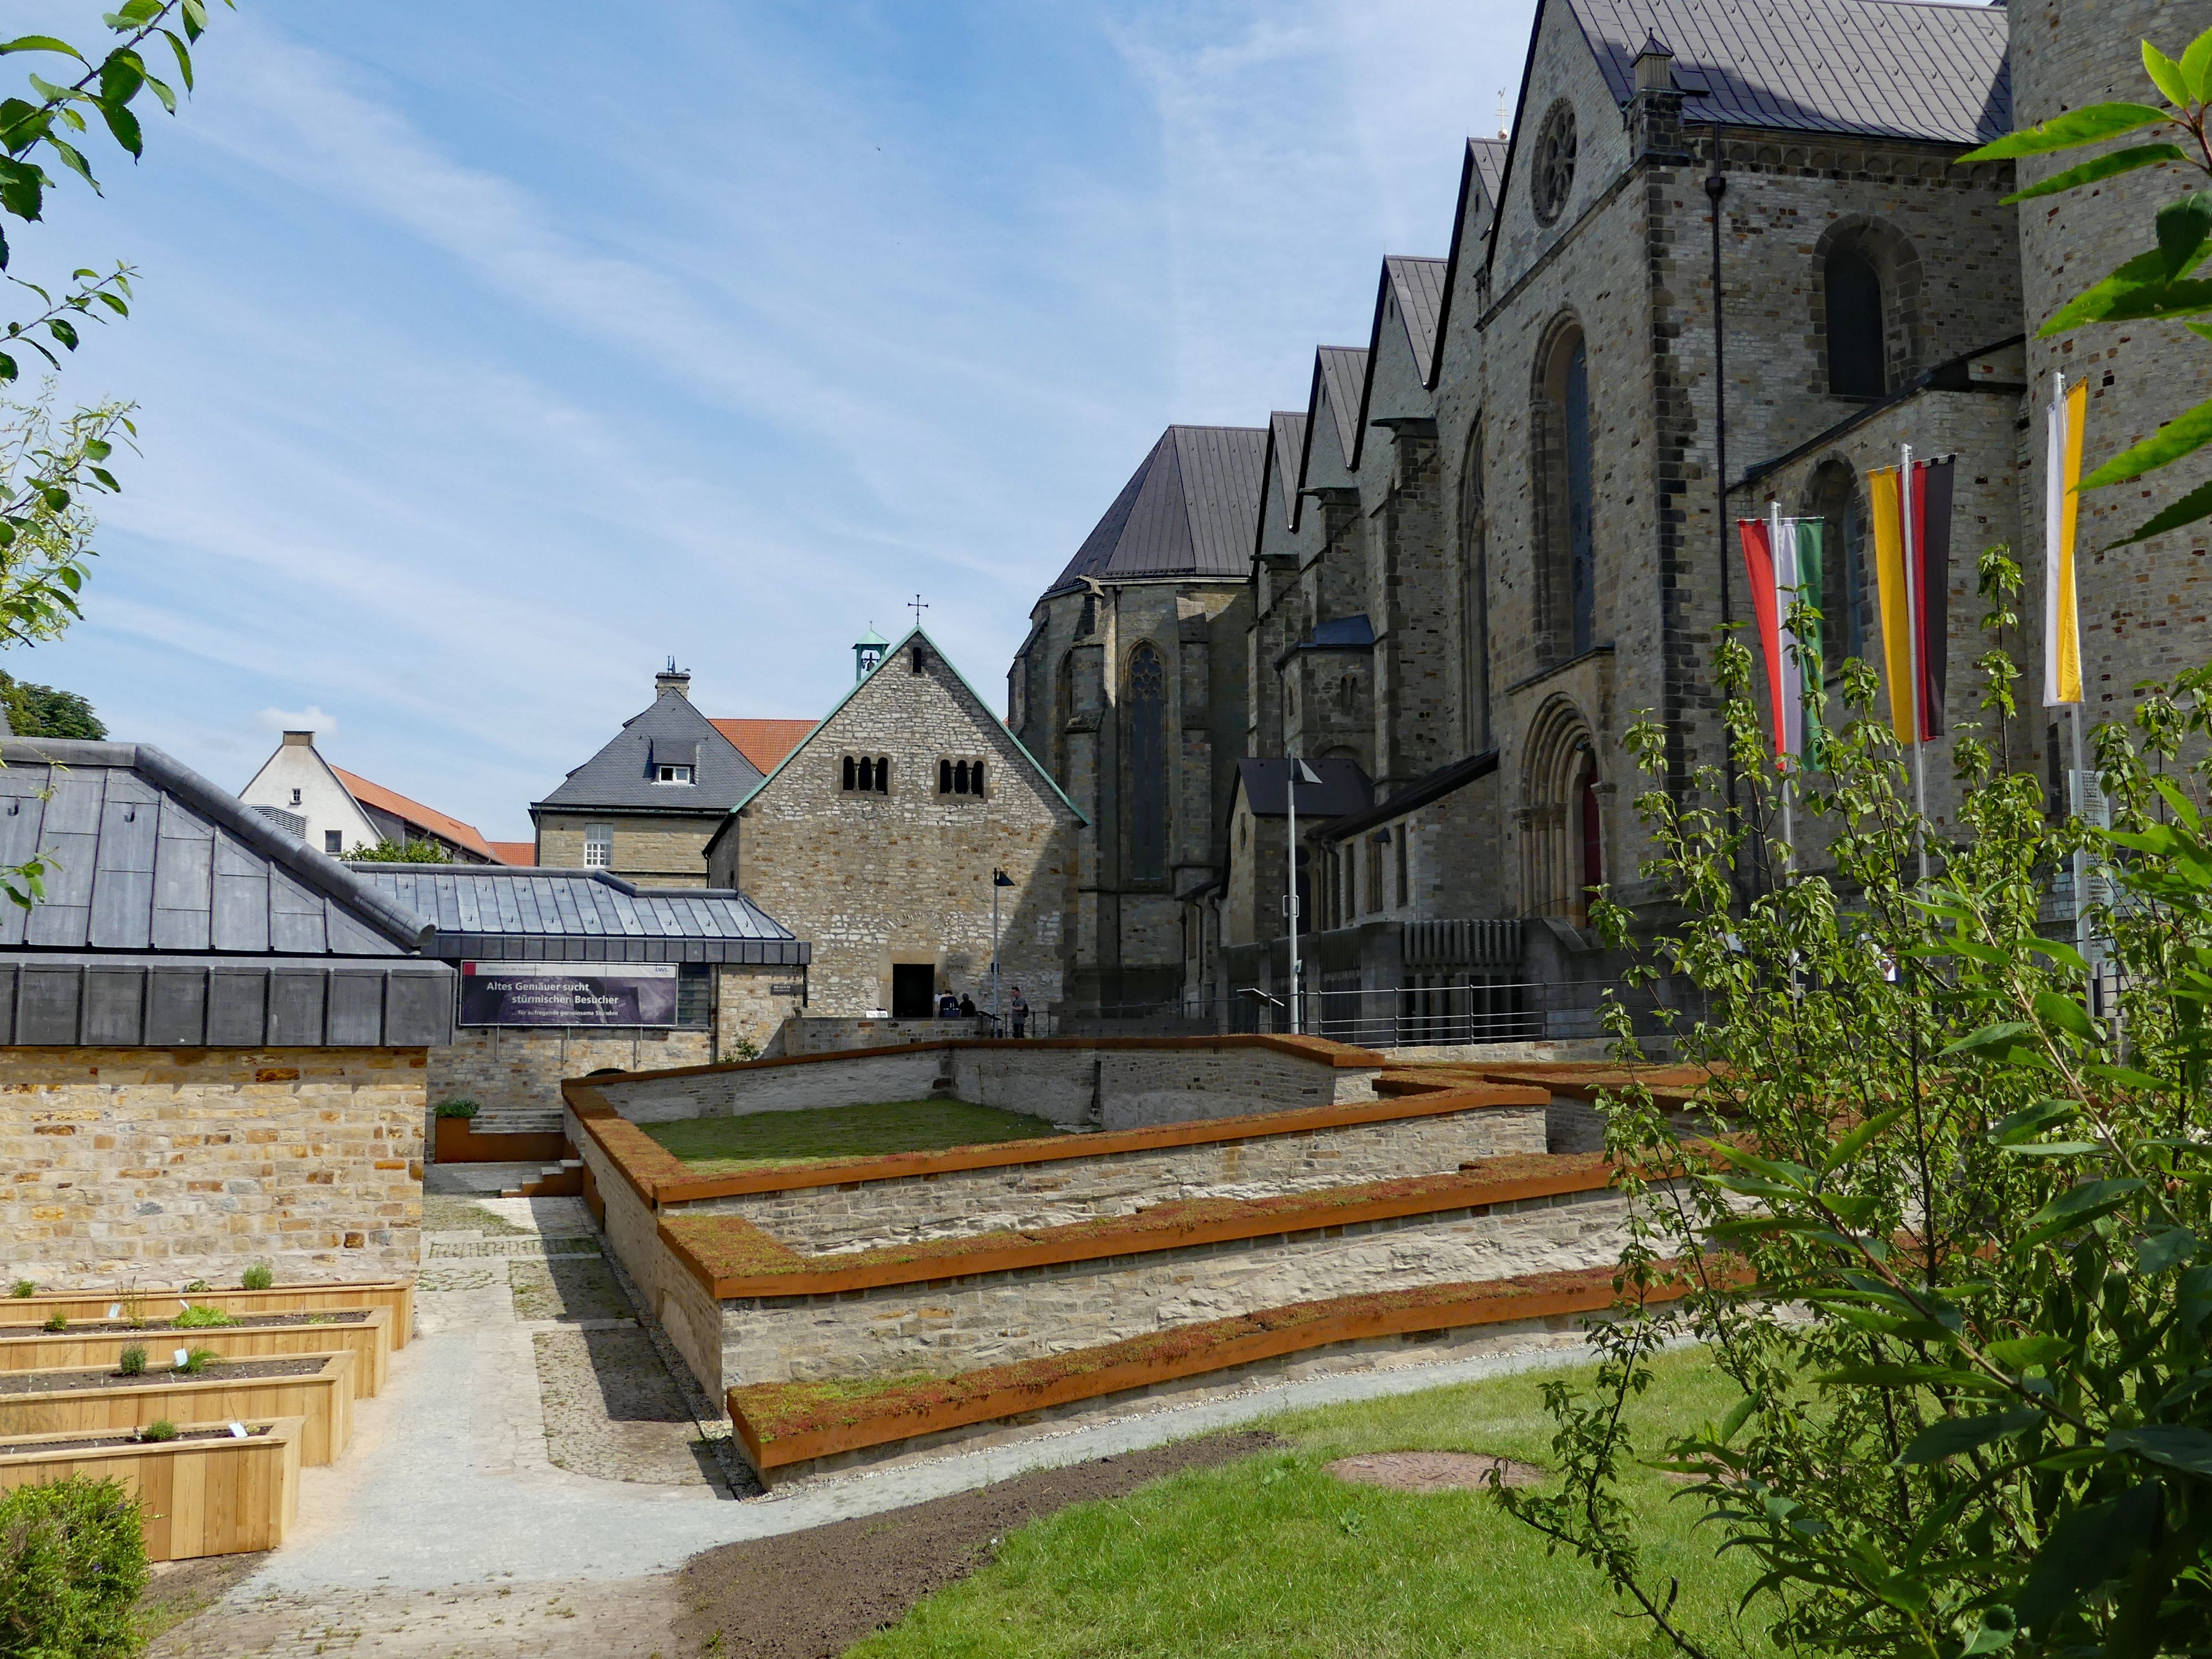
[1433,785]
[672,731]
[1343,788]
[1287,446]
[492,912]
[149,855]
[1342,634]
[1188,511]
[1884,67]
[1418,285]
[1488,155]
[1343,370]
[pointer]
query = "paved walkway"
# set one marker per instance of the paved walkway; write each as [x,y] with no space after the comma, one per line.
[448,1527]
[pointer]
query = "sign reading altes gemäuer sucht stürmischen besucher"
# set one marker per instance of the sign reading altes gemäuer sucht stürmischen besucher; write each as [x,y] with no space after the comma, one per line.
[568,994]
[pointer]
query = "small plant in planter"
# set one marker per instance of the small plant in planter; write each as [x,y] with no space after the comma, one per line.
[196,1361]
[458,1107]
[160,1429]
[57,1321]
[22,1287]
[321,1318]
[132,1362]
[201,1317]
[197,1285]
[258,1277]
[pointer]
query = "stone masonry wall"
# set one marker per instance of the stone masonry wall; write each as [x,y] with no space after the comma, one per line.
[862,1216]
[165,1165]
[653,852]
[1002,1318]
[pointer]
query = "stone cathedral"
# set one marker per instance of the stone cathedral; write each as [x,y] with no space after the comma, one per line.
[1723,258]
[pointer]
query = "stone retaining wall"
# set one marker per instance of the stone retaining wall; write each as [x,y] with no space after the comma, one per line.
[172,1164]
[826,1220]
[945,1326]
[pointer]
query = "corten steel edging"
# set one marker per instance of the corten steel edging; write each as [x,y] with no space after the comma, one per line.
[596,1117]
[1337,1056]
[1262,1218]
[1047,1149]
[1485,1303]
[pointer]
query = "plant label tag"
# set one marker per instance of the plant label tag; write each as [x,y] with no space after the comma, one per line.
[184,1306]
[184,1356]
[238,1431]
[115,1310]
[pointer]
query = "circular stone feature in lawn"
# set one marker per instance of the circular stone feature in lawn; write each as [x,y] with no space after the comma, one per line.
[1434,1471]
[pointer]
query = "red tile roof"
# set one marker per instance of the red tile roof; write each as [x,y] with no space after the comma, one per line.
[765,742]
[520,853]
[414,813]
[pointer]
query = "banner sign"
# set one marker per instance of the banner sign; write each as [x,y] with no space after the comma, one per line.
[568,992]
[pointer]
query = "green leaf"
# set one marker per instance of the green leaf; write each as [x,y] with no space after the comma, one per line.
[2182,435]
[2184,808]
[1855,1143]
[2182,229]
[2031,1120]
[2166,75]
[2065,1013]
[2062,953]
[1954,1435]
[1995,1634]
[2195,505]
[184,59]
[2086,1548]
[2197,66]
[2020,1352]
[2175,1444]
[2105,167]
[2005,1034]
[1910,1376]
[2163,1250]
[2085,1202]
[125,125]
[40,43]
[2052,1149]
[2068,131]
[2123,287]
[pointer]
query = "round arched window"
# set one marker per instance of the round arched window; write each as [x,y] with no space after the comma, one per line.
[1553,177]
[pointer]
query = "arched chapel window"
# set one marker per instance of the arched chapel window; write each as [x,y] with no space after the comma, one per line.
[1854,324]
[1063,710]
[1475,595]
[945,777]
[1569,579]
[1145,767]
[1833,498]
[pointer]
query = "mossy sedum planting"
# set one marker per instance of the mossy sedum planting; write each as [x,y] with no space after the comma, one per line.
[759,1140]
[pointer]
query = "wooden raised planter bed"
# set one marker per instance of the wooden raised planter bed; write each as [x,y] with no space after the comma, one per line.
[80,1306]
[322,1398]
[456,1141]
[365,1335]
[217,1495]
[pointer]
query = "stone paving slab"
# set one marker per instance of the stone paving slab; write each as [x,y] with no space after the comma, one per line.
[631,1619]
[611,1411]
[566,1288]
[512,1248]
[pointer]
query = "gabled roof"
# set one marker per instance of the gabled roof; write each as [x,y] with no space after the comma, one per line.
[1187,511]
[1487,157]
[1266,783]
[147,856]
[1343,371]
[1481,183]
[413,811]
[1884,67]
[620,774]
[1286,448]
[489,913]
[883,665]
[522,854]
[765,742]
[1419,286]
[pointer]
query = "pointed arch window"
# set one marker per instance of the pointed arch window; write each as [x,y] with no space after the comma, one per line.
[1474,594]
[1146,765]
[1563,470]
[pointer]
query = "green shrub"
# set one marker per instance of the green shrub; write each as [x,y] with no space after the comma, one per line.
[199,1317]
[197,1285]
[72,1563]
[133,1362]
[195,1360]
[22,1287]
[58,1320]
[160,1429]
[458,1107]
[257,1277]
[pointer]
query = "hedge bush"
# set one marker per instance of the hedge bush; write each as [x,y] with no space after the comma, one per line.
[72,1563]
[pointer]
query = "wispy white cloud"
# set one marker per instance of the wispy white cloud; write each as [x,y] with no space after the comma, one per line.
[299,719]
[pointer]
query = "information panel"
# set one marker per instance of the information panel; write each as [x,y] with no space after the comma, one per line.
[568,992]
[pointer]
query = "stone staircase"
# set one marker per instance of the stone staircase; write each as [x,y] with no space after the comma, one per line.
[518,1121]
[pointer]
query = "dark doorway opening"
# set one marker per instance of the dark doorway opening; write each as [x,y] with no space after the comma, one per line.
[914,990]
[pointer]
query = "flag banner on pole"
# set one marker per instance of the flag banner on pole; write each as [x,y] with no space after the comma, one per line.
[1916,713]
[1777,555]
[2062,610]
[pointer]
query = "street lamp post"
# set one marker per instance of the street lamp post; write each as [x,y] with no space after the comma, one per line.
[998,878]
[1300,773]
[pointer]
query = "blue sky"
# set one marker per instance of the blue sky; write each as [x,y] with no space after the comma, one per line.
[486,354]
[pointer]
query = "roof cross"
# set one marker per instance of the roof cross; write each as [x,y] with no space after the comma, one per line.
[917,606]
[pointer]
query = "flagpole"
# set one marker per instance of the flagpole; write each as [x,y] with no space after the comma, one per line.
[1788,823]
[1912,643]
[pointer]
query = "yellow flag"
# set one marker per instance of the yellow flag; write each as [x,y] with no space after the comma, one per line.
[2062,610]
[1886,501]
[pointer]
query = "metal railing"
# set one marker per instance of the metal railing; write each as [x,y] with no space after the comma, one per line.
[1434,1012]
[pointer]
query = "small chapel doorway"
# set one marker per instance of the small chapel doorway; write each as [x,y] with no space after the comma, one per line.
[914,990]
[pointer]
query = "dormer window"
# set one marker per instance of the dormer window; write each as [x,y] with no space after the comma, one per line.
[672,775]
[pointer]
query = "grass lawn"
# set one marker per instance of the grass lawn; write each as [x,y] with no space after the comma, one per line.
[723,1146]
[1272,1556]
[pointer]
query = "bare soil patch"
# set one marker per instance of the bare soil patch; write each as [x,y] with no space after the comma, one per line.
[109,1442]
[177,1590]
[214,1369]
[811,1594]
[1434,1471]
[167,1326]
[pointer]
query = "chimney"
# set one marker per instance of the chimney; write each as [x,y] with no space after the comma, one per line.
[1654,67]
[671,679]
[303,740]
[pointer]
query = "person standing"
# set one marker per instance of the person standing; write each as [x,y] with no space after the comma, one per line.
[1020,1010]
